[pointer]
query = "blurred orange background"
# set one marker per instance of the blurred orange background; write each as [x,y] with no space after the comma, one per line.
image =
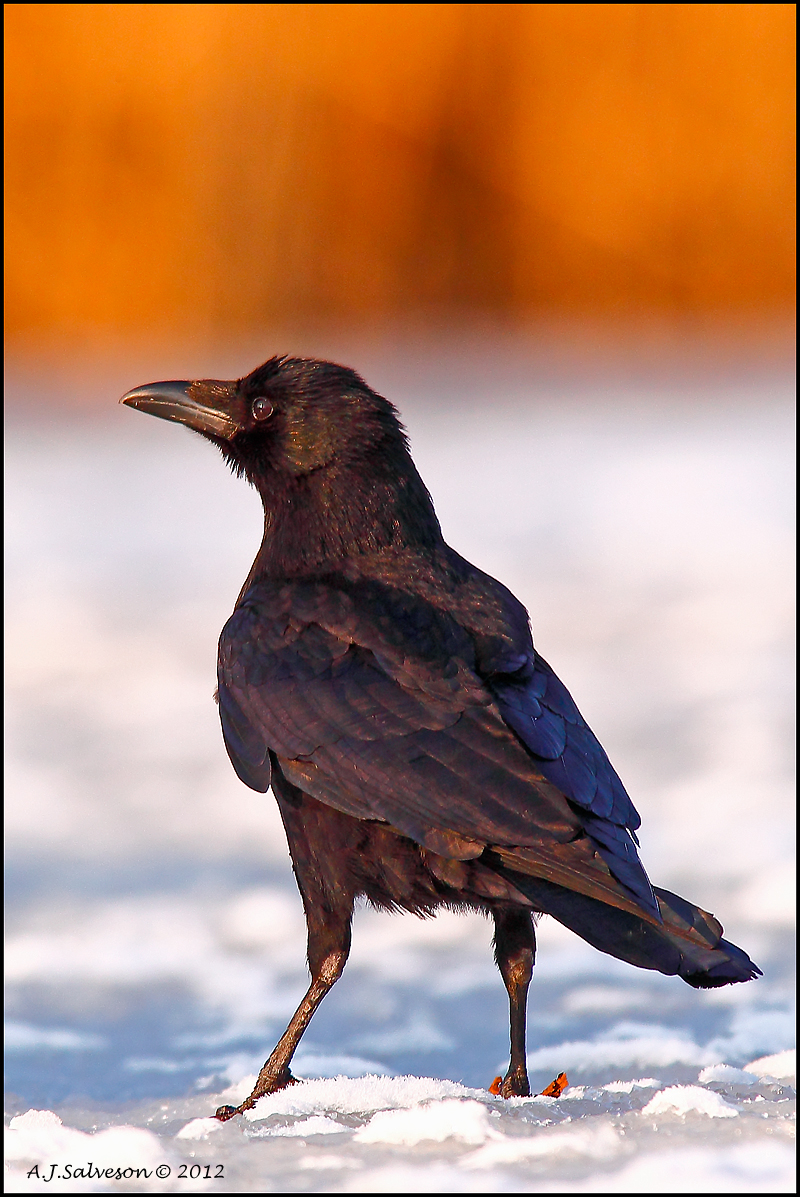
[183,169]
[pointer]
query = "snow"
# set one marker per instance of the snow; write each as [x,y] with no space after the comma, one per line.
[594,1142]
[685,1099]
[451,1118]
[781,1065]
[647,1082]
[199,1128]
[316,1125]
[39,1136]
[362,1096]
[155,942]
[625,1045]
[727,1074]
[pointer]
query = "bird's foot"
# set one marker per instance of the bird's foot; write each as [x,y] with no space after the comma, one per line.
[513,1084]
[265,1085]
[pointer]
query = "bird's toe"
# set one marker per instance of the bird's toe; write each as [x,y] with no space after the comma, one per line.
[556,1087]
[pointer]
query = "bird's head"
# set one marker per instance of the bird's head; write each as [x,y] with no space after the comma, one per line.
[290,416]
[317,442]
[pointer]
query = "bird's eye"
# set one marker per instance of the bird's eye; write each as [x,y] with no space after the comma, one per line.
[262,408]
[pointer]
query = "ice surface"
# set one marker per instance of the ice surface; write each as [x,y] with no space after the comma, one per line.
[422,1129]
[155,936]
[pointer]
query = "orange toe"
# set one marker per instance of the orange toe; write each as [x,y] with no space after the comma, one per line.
[555,1088]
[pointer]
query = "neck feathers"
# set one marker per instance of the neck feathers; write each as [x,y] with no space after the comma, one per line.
[314,523]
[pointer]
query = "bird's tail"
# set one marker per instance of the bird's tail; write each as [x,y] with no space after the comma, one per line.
[688,943]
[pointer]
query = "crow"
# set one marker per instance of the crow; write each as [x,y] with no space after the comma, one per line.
[421,751]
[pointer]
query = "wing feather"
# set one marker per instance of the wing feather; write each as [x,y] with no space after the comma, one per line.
[375,701]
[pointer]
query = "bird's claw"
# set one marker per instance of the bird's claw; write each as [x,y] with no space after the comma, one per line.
[262,1089]
[223,1113]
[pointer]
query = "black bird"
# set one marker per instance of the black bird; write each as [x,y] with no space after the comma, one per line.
[421,751]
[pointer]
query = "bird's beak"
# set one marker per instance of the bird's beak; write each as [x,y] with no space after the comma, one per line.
[206,406]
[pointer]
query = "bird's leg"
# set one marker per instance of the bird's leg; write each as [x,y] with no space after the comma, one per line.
[328,949]
[515,952]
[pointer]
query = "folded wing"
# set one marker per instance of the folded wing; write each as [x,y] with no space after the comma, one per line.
[372,702]
[540,709]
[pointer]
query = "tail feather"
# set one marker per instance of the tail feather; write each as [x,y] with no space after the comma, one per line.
[687,944]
